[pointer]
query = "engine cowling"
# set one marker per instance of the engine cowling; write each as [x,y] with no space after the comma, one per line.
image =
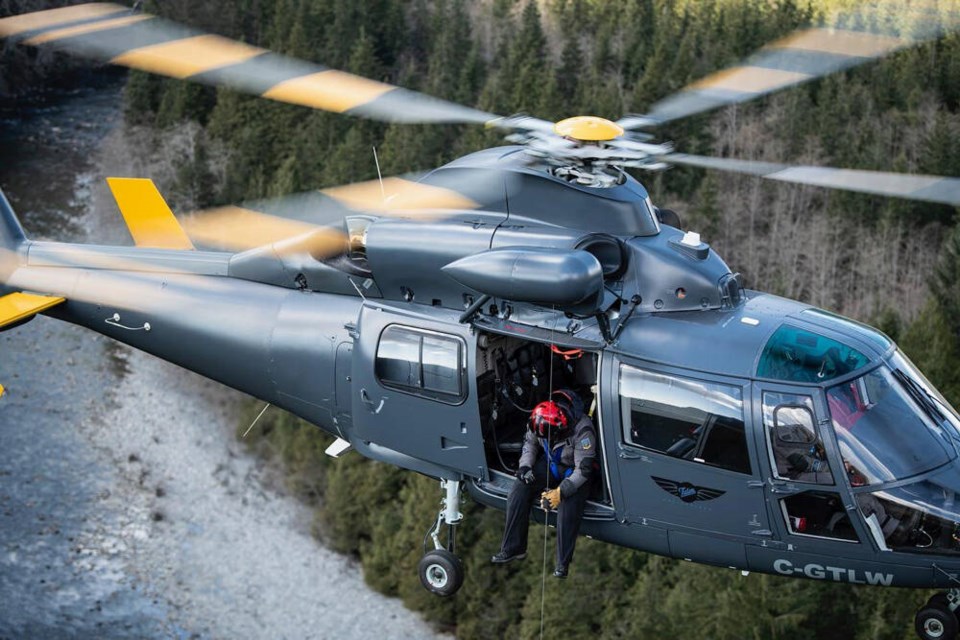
[569,279]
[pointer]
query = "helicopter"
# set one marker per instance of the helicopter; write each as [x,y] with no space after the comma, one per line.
[418,319]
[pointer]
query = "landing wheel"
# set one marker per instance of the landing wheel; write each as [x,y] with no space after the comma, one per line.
[936,622]
[441,572]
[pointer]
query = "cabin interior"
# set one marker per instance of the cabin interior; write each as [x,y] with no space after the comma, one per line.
[513,376]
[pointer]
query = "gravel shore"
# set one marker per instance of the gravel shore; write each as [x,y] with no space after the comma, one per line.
[129,510]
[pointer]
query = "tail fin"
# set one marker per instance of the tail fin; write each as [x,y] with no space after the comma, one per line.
[11,233]
[147,215]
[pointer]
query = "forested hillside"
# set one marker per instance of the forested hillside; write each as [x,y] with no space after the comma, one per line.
[888,262]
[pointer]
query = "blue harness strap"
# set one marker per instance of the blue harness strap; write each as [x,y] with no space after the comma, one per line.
[553,460]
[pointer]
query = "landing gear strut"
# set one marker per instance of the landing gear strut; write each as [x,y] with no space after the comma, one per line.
[937,620]
[441,572]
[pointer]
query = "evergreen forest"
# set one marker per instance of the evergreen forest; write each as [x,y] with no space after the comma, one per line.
[891,263]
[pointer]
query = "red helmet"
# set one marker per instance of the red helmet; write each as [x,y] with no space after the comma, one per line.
[547,418]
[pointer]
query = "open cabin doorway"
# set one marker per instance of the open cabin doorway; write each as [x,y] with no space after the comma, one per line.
[514,374]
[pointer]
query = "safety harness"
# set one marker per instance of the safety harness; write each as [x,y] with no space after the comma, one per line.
[554,461]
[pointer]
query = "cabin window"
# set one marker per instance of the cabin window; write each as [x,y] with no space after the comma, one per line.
[818,513]
[420,362]
[684,418]
[795,443]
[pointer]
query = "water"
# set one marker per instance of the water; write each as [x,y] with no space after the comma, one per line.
[47,149]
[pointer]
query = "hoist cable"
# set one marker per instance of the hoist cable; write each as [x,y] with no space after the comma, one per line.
[546,512]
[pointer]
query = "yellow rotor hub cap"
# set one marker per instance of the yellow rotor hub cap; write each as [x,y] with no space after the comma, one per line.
[588,128]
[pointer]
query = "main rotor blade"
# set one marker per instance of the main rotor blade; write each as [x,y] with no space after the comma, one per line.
[316,217]
[898,185]
[112,33]
[239,229]
[806,55]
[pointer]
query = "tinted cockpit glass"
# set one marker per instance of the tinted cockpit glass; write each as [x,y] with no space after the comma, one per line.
[799,355]
[839,323]
[883,432]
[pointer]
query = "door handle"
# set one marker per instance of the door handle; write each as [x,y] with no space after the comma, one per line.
[365,398]
[631,454]
[756,484]
[766,533]
[784,487]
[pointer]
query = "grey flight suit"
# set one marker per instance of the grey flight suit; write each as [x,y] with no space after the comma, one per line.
[576,473]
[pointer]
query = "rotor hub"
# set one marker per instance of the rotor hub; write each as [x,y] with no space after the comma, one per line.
[588,129]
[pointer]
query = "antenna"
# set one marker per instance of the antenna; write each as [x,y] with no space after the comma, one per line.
[363,297]
[376,161]
[255,421]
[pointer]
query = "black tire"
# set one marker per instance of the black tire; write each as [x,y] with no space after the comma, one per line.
[935,622]
[441,572]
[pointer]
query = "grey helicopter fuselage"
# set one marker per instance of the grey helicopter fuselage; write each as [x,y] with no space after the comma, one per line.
[710,399]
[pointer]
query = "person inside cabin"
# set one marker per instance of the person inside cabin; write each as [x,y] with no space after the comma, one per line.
[809,466]
[559,465]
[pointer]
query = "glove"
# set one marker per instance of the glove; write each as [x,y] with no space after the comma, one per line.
[550,499]
[525,475]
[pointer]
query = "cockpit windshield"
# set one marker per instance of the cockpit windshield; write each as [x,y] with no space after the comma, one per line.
[903,363]
[887,426]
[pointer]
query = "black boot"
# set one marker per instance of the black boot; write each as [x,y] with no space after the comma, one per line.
[504,558]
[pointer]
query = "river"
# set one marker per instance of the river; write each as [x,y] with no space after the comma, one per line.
[127,507]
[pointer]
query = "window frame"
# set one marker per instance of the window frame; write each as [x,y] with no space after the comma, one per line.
[626,423]
[420,391]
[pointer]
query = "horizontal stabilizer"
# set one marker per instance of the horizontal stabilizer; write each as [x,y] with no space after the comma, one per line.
[17,307]
[147,215]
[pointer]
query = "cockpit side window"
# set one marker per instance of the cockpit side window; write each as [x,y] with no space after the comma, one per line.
[684,418]
[795,443]
[918,517]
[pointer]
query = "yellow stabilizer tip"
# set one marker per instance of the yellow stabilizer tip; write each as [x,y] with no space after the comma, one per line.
[147,215]
[21,306]
[2,390]
[588,128]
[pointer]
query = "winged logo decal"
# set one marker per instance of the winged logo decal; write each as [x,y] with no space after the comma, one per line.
[686,491]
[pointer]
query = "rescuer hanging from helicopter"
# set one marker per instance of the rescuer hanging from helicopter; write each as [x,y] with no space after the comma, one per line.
[558,463]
